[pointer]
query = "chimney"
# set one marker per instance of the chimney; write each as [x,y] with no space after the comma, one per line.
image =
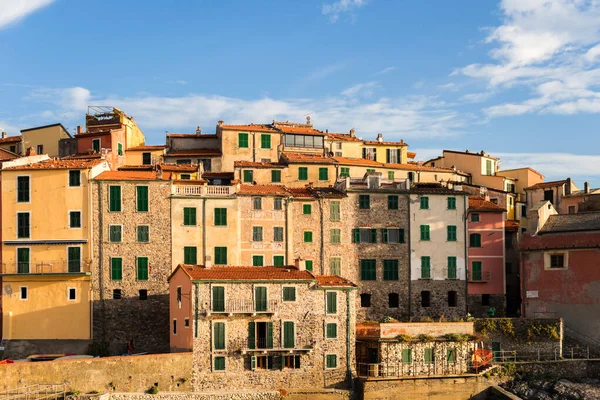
[198,132]
[3,134]
[568,187]
[30,152]
[352,132]
[79,129]
[300,264]
[220,122]
[482,153]
[380,137]
[586,187]
[159,173]
[467,151]
[208,262]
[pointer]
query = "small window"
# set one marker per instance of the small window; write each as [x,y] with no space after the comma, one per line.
[248,176]
[120,148]
[451,355]
[220,256]
[257,203]
[189,216]
[278,234]
[142,268]
[278,261]
[40,149]
[275,176]
[393,300]
[23,189]
[146,158]
[23,293]
[186,322]
[452,267]
[265,141]
[475,240]
[72,294]
[243,140]
[364,235]
[114,233]
[557,261]
[474,217]
[364,202]
[257,233]
[451,203]
[331,330]
[345,172]
[302,173]
[218,335]
[425,233]
[179,296]
[368,271]
[74,219]
[257,261]
[309,265]
[451,233]
[476,268]
[335,266]
[115,198]
[289,293]
[306,209]
[143,294]
[407,356]
[392,235]
[571,209]
[185,176]
[323,174]
[23,225]
[485,299]
[142,198]
[174,327]
[365,300]
[74,178]
[184,162]
[331,298]
[424,202]
[452,298]
[429,356]
[331,361]
[392,202]
[277,203]
[143,233]
[190,255]
[335,236]
[116,294]
[334,210]
[308,237]
[425,267]
[391,175]
[116,269]
[390,270]
[425,298]
[96,145]
[291,362]
[220,217]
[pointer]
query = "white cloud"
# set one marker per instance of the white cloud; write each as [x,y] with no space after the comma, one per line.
[12,11]
[448,86]
[476,97]
[336,9]
[325,71]
[364,89]
[384,71]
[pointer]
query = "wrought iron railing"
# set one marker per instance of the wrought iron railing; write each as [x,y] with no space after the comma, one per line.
[234,306]
[44,267]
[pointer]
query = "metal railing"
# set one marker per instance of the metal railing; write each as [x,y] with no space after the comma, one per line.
[234,306]
[398,369]
[485,276]
[44,267]
[512,356]
[261,345]
[203,190]
[36,392]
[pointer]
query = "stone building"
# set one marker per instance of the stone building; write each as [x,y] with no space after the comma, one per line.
[132,242]
[263,327]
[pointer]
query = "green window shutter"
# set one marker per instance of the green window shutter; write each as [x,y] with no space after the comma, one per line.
[306,209]
[190,255]
[424,202]
[220,216]
[115,198]
[331,302]
[335,236]
[451,203]
[120,148]
[278,261]
[189,216]
[323,174]
[384,235]
[260,298]
[251,335]
[370,169]
[143,233]
[275,176]
[218,299]
[288,335]
[407,356]
[364,201]
[74,255]
[219,336]
[451,355]
[335,266]
[345,172]
[356,235]
[23,261]
[391,175]
[75,219]
[309,265]
[303,173]
[331,360]
[265,141]
[425,232]
[219,363]
[269,335]
[390,270]
[257,261]
[142,198]
[257,234]
[425,267]
[428,355]
[368,271]
[373,235]
[243,140]
[75,178]
[334,210]
[114,233]
[331,331]
[289,293]
[248,176]
[142,268]
[392,202]
[307,237]
[476,271]
[220,255]
[278,234]
[475,240]
[451,267]
[401,235]
[116,269]
[451,236]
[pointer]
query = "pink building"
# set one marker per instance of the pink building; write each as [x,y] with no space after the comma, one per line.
[487,283]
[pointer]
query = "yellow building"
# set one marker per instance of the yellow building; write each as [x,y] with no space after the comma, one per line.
[349,146]
[145,155]
[11,143]
[46,254]
[44,139]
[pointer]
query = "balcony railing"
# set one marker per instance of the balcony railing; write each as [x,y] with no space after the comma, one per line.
[44,267]
[261,346]
[203,190]
[484,276]
[244,307]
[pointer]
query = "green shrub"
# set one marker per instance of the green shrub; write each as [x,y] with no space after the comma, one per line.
[153,390]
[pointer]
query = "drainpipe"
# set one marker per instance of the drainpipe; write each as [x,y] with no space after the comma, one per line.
[466,222]
[322,250]
[253,147]
[101,256]
[90,250]
[287,228]
[204,231]
[348,344]
[523,291]
[409,259]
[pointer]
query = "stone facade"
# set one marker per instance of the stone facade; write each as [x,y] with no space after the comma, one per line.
[438,299]
[480,304]
[143,316]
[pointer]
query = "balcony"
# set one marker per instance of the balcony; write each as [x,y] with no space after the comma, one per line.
[243,307]
[203,190]
[261,346]
[485,276]
[45,267]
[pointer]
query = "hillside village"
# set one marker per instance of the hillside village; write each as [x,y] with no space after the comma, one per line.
[281,247]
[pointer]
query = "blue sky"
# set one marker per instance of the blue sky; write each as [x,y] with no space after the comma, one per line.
[517,78]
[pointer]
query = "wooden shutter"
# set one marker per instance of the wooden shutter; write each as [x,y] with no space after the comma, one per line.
[251,335]
[384,235]
[373,235]
[218,301]
[288,334]
[142,198]
[269,335]
[331,302]
[260,298]
[219,339]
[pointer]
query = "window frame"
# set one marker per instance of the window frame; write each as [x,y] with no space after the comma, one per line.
[475,243]
[137,233]
[302,173]
[283,299]
[368,269]
[327,324]
[451,233]
[17,230]
[275,176]
[248,176]
[243,141]
[220,216]
[214,336]
[393,202]
[256,232]
[69,259]
[69,299]
[71,174]
[187,219]
[451,203]
[139,205]
[70,219]
[364,202]
[323,174]
[112,269]
[110,240]
[188,248]
[17,191]
[265,138]
[335,358]
[113,207]
[424,203]
[137,268]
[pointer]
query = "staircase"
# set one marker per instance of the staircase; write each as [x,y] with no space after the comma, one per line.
[36,392]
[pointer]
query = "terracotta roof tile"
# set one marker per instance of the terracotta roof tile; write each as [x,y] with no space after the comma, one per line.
[10,139]
[82,156]
[481,204]
[333,281]
[433,188]
[560,241]
[273,190]
[378,143]
[299,130]
[511,225]
[250,164]
[306,158]
[328,192]
[147,148]
[57,164]
[411,154]
[178,167]
[191,135]
[343,136]
[193,153]
[250,127]
[357,161]
[542,185]
[301,192]
[415,167]
[136,168]
[288,273]
[131,176]
[6,155]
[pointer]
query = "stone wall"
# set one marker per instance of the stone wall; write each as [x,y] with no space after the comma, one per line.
[478,310]
[438,298]
[118,320]
[172,372]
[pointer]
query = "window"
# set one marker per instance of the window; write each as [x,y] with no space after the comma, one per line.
[23,295]
[117,294]
[219,336]
[146,158]
[331,330]
[248,176]
[186,322]
[335,236]
[392,202]
[391,175]
[179,297]
[429,356]
[308,237]
[390,270]
[365,300]
[345,172]
[364,201]
[335,266]
[364,235]
[185,176]
[74,259]
[302,173]
[557,261]
[334,210]
[22,260]
[143,295]
[451,203]
[451,355]
[243,140]
[323,174]
[184,162]
[411,176]
[424,203]
[475,240]
[72,294]
[220,217]
[278,234]
[289,293]
[309,265]
[257,203]
[23,225]
[393,156]
[451,234]
[143,233]
[407,356]
[74,219]
[142,268]
[476,271]
[74,178]
[425,298]
[524,210]
[549,195]
[488,167]
[257,261]
[306,209]
[114,198]
[288,335]
[277,203]
[120,149]
[451,267]
[485,299]
[142,198]
[275,176]
[219,361]
[278,261]
[368,270]
[331,307]
[425,267]
[392,235]
[370,153]
[189,216]
[393,300]
[174,326]
[218,299]
[474,217]
[96,145]
[23,194]
[331,361]
[206,164]
[425,234]
[452,298]
[309,141]
[114,233]
[257,233]
[13,149]
[190,255]
[220,256]
[265,141]
[116,269]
